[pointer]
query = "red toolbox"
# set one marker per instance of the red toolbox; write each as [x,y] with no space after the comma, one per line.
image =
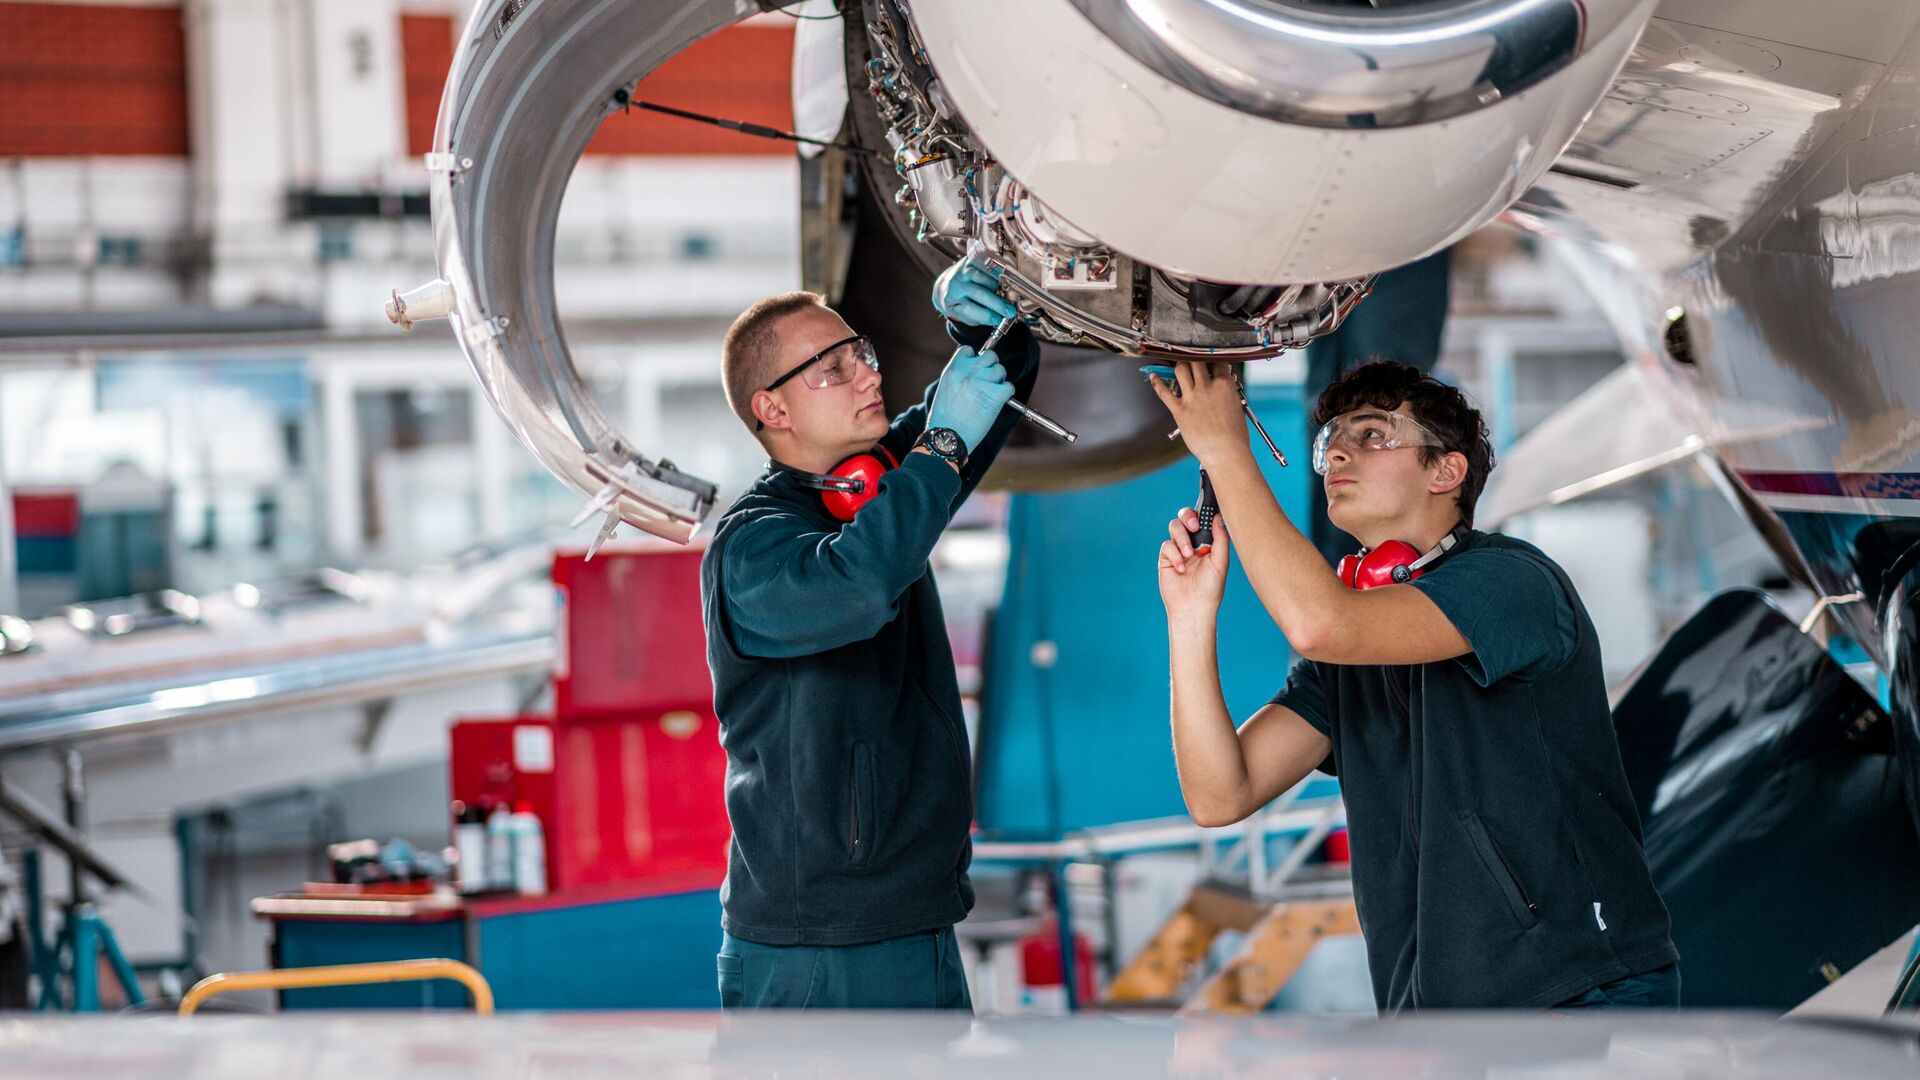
[628,634]
[619,797]
[628,776]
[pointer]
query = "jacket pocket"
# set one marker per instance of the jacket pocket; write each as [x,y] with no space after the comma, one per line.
[953,728]
[733,975]
[860,823]
[1498,867]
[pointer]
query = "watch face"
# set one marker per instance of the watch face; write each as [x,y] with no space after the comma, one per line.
[944,440]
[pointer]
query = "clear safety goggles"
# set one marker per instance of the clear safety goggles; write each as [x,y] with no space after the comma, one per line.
[831,366]
[1369,429]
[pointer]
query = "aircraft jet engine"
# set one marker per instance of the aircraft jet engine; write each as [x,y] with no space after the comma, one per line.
[1170,178]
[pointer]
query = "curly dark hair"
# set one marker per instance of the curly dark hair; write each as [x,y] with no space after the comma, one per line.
[1384,384]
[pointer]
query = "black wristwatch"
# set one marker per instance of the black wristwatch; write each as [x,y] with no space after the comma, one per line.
[945,444]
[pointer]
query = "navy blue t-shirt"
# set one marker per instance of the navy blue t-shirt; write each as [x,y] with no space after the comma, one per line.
[1497,858]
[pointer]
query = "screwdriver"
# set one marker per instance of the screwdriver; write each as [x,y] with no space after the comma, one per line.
[1040,420]
[999,332]
[1165,374]
[1208,508]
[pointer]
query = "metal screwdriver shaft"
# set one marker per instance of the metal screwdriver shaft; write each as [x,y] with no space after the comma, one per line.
[999,332]
[1039,419]
[1240,389]
[1258,426]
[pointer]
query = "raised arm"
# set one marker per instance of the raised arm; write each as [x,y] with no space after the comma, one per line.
[1321,618]
[793,589]
[1019,353]
[1225,774]
[967,297]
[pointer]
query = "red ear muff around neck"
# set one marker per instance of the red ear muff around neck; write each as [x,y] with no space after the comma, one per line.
[1349,566]
[1395,562]
[1389,564]
[866,468]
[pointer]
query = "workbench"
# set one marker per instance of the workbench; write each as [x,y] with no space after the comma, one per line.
[645,944]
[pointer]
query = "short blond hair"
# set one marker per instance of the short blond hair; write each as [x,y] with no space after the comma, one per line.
[750,350]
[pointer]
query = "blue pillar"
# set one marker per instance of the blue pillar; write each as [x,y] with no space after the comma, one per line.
[82,933]
[1063,915]
[46,957]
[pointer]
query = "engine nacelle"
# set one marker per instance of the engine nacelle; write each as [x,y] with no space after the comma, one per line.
[1275,141]
[1189,177]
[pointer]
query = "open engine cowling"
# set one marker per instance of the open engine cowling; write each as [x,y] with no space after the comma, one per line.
[1183,178]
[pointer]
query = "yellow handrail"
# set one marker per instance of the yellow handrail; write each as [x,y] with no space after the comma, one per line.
[342,975]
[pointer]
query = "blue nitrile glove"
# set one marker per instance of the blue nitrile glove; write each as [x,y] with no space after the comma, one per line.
[968,294]
[1163,372]
[972,391]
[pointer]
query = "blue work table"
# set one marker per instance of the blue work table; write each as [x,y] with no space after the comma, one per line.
[635,945]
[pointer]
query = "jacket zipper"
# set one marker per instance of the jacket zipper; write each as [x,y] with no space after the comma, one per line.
[1511,876]
[1405,700]
[853,806]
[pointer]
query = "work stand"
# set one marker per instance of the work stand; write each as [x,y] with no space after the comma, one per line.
[67,968]
[1282,911]
[1278,937]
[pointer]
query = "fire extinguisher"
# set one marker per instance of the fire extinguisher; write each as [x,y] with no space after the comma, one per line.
[1336,850]
[1043,984]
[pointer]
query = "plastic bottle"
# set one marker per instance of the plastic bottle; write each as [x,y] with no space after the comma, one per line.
[499,860]
[470,841]
[529,850]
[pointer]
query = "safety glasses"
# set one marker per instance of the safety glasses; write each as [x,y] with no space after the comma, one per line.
[1369,429]
[831,366]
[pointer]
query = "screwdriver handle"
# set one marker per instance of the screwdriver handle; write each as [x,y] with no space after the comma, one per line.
[1208,509]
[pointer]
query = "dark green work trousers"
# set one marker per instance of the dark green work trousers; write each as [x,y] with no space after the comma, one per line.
[918,971]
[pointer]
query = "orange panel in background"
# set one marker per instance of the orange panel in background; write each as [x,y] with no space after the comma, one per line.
[741,73]
[426,47]
[78,80]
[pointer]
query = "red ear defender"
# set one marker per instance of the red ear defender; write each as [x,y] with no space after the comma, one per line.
[1395,562]
[1389,564]
[866,468]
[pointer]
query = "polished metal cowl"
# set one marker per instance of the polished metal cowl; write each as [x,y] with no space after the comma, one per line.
[1327,66]
[531,82]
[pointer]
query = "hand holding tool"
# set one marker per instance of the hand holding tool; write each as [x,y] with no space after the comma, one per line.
[1164,373]
[999,332]
[971,392]
[1039,419]
[1208,508]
